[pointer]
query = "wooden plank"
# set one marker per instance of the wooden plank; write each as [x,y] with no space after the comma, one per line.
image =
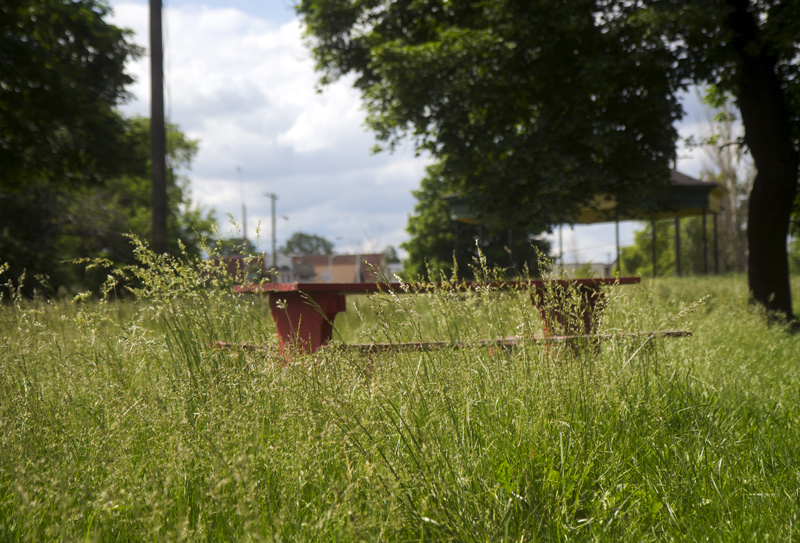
[507,342]
[352,288]
[502,342]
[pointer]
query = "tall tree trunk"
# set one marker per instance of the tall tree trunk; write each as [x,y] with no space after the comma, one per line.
[768,135]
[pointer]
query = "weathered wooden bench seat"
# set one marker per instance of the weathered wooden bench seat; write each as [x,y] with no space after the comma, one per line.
[503,343]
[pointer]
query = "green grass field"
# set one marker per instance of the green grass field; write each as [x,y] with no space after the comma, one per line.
[118,422]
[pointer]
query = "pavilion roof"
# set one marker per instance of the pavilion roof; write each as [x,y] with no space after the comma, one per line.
[685,196]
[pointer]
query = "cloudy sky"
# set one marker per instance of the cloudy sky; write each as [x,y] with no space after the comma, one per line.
[239,79]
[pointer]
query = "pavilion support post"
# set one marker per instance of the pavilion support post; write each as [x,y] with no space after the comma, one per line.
[455,246]
[705,245]
[619,260]
[716,244]
[655,255]
[561,244]
[512,264]
[678,246]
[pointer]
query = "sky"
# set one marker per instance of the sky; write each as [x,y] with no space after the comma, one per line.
[239,79]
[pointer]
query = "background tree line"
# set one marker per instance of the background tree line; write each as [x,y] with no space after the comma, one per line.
[44,226]
[74,172]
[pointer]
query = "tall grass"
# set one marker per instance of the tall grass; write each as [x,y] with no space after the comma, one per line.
[119,422]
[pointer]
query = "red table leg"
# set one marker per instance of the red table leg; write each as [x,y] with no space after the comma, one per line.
[304,321]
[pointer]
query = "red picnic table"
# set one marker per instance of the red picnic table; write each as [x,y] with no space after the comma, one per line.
[304,312]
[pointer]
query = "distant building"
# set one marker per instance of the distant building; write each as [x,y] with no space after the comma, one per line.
[246,269]
[365,268]
[284,270]
[591,269]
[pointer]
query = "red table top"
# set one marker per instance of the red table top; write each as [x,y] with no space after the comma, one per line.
[353,288]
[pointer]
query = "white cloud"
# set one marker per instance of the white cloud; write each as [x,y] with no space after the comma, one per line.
[325,122]
[246,88]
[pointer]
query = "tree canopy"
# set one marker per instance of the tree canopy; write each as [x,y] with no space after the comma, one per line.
[304,244]
[44,225]
[533,107]
[74,173]
[440,246]
[62,73]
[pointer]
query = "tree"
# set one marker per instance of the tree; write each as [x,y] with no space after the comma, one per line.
[42,226]
[534,107]
[748,50]
[124,203]
[62,73]
[728,165]
[235,246]
[304,244]
[433,244]
[390,253]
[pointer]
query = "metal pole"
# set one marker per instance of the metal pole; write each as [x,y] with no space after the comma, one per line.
[677,246]
[455,248]
[511,247]
[244,228]
[619,259]
[655,256]
[274,251]
[244,211]
[705,245]
[158,137]
[716,245]
[274,197]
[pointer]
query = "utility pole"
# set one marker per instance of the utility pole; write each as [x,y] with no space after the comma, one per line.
[244,211]
[273,197]
[158,136]
[655,253]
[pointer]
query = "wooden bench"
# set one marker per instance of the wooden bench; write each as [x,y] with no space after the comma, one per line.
[304,312]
